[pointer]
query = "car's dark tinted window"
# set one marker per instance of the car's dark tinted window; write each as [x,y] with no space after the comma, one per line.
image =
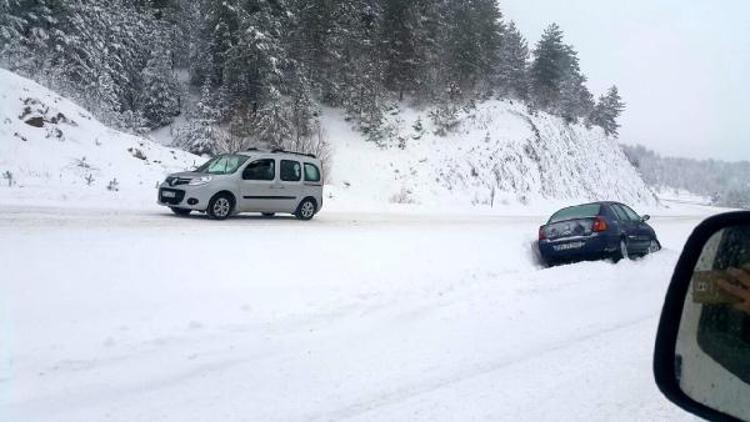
[312,174]
[620,213]
[580,211]
[260,170]
[291,171]
[632,215]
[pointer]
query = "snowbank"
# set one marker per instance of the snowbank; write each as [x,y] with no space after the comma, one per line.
[53,151]
[496,154]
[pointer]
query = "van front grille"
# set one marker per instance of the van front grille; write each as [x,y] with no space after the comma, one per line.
[179,195]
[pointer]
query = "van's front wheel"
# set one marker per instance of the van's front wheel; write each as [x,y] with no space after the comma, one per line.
[306,209]
[220,206]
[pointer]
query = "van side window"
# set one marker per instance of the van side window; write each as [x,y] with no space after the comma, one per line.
[291,171]
[260,170]
[312,174]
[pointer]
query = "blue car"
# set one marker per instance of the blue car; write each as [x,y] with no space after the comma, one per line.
[599,230]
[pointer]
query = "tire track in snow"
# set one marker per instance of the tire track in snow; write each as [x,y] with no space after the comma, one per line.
[409,391]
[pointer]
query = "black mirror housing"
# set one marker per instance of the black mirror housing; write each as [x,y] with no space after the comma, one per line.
[645,218]
[668,362]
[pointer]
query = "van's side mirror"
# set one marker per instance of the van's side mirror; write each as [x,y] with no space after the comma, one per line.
[702,352]
[645,218]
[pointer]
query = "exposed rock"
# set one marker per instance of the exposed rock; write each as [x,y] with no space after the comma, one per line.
[35,121]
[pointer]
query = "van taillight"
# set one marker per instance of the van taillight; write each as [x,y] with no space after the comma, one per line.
[600,225]
[542,234]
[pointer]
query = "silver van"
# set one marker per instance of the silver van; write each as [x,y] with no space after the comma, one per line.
[250,181]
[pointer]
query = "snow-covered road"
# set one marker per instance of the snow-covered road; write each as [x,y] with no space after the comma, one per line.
[140,315]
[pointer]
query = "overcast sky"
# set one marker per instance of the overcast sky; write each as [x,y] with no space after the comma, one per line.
[682,66]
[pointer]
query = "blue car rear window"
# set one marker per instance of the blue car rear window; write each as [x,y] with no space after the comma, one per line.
[580,211]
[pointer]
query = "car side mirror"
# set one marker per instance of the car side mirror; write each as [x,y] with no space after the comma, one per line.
[702,351]
[645,218]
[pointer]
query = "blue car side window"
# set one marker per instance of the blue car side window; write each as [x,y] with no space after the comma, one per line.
[619,213]
[632,215]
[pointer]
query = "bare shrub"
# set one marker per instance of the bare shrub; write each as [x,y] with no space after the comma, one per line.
[314,143]
[8,176]
[82,163]
[113,185]
[402,197]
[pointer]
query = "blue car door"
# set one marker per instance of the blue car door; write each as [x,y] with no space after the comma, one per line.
[628,229]
[641,231]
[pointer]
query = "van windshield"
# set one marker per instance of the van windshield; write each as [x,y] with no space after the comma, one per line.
[223,164]
[580,211]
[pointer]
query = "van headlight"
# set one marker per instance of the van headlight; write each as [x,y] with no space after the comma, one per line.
[200,181]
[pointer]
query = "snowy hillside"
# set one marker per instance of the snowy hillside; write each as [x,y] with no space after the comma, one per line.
[494,154]
[52,150]
[496,147]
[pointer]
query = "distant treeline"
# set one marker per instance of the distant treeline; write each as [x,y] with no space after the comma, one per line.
[726,183]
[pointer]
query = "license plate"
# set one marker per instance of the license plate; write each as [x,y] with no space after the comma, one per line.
[568,246]
[168,194]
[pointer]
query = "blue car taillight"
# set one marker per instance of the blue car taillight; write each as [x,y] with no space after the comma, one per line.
[600,225]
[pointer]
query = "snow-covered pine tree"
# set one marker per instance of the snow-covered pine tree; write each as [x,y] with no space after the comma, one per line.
[430,50]
[609,107]
[398,45]
[303,113]
[11,32]
[548,68]
[256,59]
[575,99]
[512,70]
[30,34]
[273,128]
[472,39]
[159,96]
[200,135]
[312,33]
[361,73]
[487,21]
[557,84]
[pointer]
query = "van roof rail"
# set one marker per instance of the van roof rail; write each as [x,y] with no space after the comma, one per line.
[281,150]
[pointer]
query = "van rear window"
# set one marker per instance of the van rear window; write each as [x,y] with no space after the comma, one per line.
[580,211]
[312,174]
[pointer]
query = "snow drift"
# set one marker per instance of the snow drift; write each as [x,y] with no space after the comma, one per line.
[496,153]
[52,150]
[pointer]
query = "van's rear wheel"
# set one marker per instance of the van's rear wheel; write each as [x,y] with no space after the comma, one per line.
[220,206]
[306,209]
[180,211]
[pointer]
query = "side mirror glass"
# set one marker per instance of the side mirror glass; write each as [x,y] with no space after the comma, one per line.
[702,357]
[645,218]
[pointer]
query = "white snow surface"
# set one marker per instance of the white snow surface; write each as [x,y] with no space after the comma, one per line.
[141,315]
